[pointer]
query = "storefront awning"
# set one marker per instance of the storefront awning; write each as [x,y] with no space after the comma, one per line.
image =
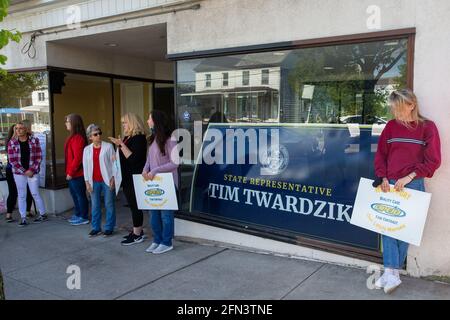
[35,109]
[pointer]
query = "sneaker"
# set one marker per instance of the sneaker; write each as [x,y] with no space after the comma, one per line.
[162,249]
[23,223]
[41,218]
[107,233]
[381,282]
[152,247]
[392,283]
[80,222]
[133,239]
[131,233]
[9,219]
[73,219]
[94,233]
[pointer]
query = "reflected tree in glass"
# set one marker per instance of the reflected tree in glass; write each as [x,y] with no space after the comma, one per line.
[348,77]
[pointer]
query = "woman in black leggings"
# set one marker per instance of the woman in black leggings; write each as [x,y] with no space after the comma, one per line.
[133,153]
[12,189]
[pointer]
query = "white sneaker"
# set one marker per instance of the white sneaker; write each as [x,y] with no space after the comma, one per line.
[162,249]
[392,283]
[152,247]
[381,282]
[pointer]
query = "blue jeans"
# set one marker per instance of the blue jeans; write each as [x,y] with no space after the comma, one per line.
[109,195]
[77,189]
[162,222]
[395,251]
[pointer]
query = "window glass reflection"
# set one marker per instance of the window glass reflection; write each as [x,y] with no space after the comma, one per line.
[341,85]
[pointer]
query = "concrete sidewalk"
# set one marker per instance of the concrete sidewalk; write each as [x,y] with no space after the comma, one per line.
[34,260]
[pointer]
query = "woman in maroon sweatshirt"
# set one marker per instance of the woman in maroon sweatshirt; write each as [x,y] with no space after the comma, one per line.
[409,150]
[73,151]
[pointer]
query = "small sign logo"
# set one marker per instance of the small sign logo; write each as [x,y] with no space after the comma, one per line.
[155,192]
[186,116]
[388,210]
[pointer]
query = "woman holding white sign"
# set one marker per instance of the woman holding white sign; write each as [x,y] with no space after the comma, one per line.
[160,159]
[408,151]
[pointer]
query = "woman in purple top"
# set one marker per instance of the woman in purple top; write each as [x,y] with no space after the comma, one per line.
[160,159]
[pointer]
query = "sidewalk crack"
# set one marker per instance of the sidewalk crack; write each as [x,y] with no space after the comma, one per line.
[303,281]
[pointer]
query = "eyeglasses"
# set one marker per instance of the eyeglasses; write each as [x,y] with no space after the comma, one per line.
[96,134]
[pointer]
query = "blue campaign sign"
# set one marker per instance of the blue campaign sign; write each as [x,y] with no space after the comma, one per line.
[306,186]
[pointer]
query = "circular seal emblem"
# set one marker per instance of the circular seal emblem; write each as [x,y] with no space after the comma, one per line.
[276,160]
[186,116]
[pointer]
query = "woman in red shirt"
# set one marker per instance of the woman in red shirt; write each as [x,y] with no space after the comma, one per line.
[409,150]
[73,150]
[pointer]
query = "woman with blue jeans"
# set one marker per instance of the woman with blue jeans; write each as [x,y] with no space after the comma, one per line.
[160,159]
[98,163]
[408,151]
[73,152]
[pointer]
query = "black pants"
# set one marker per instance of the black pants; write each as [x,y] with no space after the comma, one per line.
[12,193]
[130,195]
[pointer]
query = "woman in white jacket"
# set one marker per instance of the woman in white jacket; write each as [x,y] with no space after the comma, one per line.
[98,164]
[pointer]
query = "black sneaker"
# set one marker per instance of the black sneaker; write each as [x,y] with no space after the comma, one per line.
[94,233]
[133,239]
[132,233]
[23,223]
[9,219]
[107,233]
[41,218]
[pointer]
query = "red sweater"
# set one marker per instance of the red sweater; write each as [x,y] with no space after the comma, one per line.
[402,151]
[73,151]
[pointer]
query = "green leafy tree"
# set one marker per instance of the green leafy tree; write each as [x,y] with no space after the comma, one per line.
[16,88]
[6,35]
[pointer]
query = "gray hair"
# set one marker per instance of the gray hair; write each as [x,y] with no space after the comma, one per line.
[92,128]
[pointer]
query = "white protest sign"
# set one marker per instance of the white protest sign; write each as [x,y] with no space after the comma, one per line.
[43,143]
[117,172]
[400,215]
[156,194]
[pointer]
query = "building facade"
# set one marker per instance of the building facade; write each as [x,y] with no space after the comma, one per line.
[319,71]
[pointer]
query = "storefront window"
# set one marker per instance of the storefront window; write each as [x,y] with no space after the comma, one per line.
[87,96]
[102,100]
[25,97]
[132,96]
[330,103]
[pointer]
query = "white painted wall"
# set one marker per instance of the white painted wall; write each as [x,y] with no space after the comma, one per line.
[51,16]
[164,70]
[232,23]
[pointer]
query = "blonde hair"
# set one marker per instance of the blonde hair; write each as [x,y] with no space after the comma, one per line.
[135,124]
[399,99]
